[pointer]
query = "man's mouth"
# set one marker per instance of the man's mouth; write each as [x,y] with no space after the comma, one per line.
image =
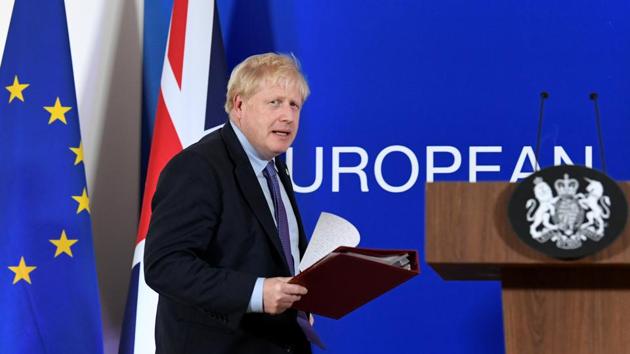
[283,133]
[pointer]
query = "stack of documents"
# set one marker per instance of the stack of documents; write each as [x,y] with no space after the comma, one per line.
[341,277]
[400,260]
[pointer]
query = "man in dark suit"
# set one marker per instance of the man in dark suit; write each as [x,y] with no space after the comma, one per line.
[226,235]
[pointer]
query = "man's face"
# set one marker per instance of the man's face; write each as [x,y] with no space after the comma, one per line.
[270,118]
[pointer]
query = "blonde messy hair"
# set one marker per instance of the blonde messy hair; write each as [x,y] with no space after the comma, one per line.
[280,69]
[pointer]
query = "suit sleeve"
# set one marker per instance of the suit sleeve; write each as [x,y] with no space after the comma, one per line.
[186,210]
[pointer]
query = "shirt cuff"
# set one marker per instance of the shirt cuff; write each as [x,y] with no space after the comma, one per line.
[256,300]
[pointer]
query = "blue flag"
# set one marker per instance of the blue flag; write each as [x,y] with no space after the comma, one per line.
[48,289]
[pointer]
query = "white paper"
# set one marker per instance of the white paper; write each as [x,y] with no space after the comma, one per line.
[400,260]
[330,232]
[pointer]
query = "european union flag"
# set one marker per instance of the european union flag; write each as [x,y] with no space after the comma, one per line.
[48,289]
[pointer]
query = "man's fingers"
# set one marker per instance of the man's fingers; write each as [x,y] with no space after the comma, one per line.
[279,295]
[294,289]
[289,299]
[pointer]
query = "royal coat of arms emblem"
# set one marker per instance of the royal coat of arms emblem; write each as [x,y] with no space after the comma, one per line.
[568,218]
[568,211]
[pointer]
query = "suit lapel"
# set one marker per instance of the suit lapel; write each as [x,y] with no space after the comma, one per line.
[283,172]
[248,183]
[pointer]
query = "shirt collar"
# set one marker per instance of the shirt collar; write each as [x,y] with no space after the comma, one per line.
[257,162]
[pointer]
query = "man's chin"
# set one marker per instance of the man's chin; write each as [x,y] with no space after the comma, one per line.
[280,150]
[281,147]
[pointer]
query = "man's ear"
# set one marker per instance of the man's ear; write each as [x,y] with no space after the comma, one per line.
[238,102]
[237,106]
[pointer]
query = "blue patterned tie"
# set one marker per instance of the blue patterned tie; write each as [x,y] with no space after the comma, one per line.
[280,213]
[283,231]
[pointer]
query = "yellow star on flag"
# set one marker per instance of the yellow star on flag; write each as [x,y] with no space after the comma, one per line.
[83,200]
[63,244]
[79,152]
[57,112]
[16,90]
[22,271]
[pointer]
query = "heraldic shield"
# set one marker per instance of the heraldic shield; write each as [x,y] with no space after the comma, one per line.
[568,212]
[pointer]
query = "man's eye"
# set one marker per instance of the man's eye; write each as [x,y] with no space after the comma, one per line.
[274,102]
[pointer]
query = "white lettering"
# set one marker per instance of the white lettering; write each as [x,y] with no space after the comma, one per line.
[319,171]
[358,169]
[527,152]
[432,170]
[474,168]
[588,156]
[378,172]
[525,165]
[560,156]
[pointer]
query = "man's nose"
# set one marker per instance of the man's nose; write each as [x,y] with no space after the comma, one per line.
[288,114]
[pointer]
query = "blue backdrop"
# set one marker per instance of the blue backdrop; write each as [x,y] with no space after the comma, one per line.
[421,75]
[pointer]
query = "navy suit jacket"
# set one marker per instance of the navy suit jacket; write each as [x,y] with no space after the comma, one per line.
[210,237]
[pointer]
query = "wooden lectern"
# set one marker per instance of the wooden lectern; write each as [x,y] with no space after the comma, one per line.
[549,305]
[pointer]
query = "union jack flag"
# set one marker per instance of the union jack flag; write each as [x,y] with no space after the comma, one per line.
[189,106]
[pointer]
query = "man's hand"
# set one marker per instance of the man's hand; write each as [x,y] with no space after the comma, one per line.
[279,295]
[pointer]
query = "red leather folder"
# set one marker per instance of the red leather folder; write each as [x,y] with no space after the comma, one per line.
[339,283]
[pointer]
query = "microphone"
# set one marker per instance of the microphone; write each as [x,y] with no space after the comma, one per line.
[593,96]
[543,96]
